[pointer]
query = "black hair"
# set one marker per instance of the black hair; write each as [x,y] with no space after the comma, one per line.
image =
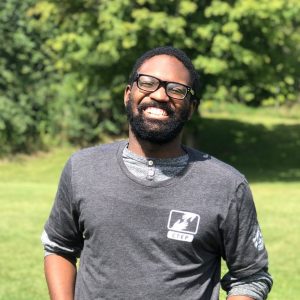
[181,56]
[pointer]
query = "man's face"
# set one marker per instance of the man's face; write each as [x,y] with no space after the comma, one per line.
[154,116]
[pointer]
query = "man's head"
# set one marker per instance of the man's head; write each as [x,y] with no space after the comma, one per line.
[181,56]
[160,96]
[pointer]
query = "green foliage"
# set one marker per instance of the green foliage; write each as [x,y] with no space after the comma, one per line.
[23,72]
[64,64]
[251,51]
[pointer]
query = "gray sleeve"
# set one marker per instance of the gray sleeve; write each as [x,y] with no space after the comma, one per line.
[51,247]
[244,250]
[61,233]
[256,286]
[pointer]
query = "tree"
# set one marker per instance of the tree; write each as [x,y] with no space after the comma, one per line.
[246,51]
[23,108]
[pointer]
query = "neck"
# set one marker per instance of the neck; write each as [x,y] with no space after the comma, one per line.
[147,149]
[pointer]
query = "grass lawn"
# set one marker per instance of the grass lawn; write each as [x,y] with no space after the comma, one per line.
[27,187]
[266,150]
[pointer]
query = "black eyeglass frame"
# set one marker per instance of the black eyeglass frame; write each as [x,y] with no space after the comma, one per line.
[164,84]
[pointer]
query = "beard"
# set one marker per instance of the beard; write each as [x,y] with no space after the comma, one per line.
[156,131]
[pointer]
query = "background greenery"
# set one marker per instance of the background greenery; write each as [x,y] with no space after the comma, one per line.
[63,67]
[64,64]
[269,146]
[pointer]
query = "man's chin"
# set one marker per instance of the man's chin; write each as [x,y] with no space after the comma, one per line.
[156,138]
[156,132]
[155,125]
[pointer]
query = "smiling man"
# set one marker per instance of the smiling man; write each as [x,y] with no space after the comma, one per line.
[149,217]
[152,116]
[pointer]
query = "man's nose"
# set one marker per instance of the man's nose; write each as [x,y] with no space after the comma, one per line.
[160,94]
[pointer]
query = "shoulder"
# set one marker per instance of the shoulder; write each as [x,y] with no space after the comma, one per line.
[102,150]
[96,156]
[213,167]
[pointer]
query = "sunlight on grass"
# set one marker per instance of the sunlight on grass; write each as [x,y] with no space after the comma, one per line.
[278,210]
[265,115]
[24,208]
[41,167]
[27,189]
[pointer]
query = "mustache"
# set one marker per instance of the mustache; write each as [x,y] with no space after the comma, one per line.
[142,106]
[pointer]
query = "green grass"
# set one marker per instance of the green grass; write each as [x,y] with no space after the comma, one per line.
[265,149]
[27,188]
[279,210]
[262,144]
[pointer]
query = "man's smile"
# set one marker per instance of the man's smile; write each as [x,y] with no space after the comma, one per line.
[155,112]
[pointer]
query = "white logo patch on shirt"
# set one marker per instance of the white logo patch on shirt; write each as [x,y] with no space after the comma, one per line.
[258,240]
[182,225]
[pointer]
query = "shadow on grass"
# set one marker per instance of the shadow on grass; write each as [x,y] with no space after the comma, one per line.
[259,152]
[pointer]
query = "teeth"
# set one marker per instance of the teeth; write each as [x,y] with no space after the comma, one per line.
[155,111]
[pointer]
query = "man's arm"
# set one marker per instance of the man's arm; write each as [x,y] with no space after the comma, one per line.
[60,275]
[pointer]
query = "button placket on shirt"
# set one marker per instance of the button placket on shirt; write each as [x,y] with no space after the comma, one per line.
[151,170]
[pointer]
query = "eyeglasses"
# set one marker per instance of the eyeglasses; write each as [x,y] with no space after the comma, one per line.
[151,84]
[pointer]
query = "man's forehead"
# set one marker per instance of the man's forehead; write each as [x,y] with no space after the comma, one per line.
[165,65]
[157,60]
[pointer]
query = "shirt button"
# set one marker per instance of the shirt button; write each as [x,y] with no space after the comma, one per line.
[151,172]
[150,162]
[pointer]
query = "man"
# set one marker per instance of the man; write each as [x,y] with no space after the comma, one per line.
[149,217]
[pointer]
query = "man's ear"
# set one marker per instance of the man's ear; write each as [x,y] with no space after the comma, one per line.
[193,107]
[127,94]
